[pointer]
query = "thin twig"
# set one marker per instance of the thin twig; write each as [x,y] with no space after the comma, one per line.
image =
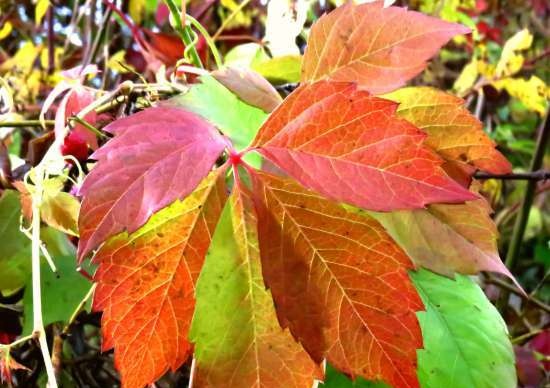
[228,19]
[523,215]
[539,175]
[514,290]
[25,123]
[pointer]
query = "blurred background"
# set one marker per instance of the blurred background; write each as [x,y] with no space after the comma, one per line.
[501,69]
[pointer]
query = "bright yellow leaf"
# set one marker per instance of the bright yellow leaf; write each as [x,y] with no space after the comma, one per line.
[510,61]
[467,77]
[533,93]
[5,31]
[40,10]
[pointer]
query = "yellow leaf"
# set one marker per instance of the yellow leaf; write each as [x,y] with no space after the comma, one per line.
[40,10]
[136,8]
[118,63]
[5,31]
[533,93]
[23,59]
[510,62]
[467,77]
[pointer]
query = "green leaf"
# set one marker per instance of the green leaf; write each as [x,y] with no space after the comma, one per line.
[280,70]
[236,119]
[466,344]
[15,262]
[335,379]
[61,293]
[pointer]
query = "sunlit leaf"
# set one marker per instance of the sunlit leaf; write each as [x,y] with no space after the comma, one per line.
[339,283]
[466,343]
[351,146]
[146,284]
[452,130]
[379,48]
[238,341]
[157,156]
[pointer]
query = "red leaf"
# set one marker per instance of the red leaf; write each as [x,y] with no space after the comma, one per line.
[157,156]
[352,147]
[146,284]
[339,283]
[75,145]
[379,48]
[78,99]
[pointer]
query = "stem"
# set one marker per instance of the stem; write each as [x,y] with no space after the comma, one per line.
[25,123]
[88,126]
[510,288]
[38,324]
[523,215]
[51,40]
[228,19]
[539,175]
[184,33]
[209,40]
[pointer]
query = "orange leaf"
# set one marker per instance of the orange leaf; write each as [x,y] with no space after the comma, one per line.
[448,239]
[238,341]
[339,283]
[145,284]
[350,146]
[379,48]
[452,130]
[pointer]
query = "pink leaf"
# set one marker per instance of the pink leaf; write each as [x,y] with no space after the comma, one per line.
[157,156]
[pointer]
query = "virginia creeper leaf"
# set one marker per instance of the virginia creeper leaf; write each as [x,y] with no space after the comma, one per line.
[466,343]
[379,48]
[146,284]
[249,86]
[339,283]
[465,340]
[448,238]
[335,379]
[452,130]
[238,340]
[157,156]
[350,146]
[61,292]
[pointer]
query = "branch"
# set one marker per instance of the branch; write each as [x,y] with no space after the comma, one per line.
[514,290]
[539,175]
[523,215]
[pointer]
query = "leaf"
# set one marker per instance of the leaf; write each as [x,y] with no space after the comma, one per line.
[339,283]
[40,11]
[238,340]
[452,130]
[336,379]
[466,343]
[15,260]
[379,48]
[510,62]
[146,284]
[447,238]
[249,86]
[235,118]
[7,365]
[57,209]
[533,93]
[157,156]
[467,78]
[351,147]
[280,70]
[61,292]
[6,30]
